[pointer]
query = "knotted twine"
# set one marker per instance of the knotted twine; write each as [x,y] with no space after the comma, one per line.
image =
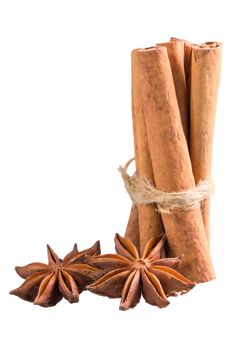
[142,191]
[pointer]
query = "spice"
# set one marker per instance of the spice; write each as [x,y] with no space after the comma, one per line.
[130,275]
[46,285]
[176,90]
[204,76]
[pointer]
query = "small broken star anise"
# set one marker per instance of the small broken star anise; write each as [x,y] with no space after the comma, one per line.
[46,285]
[127,275]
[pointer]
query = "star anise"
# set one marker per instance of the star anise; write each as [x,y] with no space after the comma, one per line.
[127,275]
[46,285]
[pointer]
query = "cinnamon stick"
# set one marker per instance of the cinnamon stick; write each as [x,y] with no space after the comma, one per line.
[204,77]
[170,160]
[149,220]
[176,55]
[132,229]
[187,68]
[175,50]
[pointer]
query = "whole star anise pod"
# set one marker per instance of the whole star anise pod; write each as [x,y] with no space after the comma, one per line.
[46,285]
[128,275]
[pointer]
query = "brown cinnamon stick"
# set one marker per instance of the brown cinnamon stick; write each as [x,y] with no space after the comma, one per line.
[175,50]
[149,220]
[170,160]
[204,77]
[132,229]
[187,68]
[176,54]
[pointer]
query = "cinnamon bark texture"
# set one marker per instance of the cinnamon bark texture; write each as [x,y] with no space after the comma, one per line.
[149,220]
[187,68]
[147,216]
[132,229]
[176,55]
[170,160]
[204,77]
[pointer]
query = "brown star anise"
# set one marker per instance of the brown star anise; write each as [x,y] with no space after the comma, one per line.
[128,275]
[46,285]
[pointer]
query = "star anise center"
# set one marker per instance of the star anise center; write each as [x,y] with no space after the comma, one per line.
[57,267]
[139,263]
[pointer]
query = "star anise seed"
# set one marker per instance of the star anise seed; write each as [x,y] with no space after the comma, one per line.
[46,285]
[128,275]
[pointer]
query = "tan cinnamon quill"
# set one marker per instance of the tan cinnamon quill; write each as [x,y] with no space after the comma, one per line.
[204,77]
[175,50]
[170,160]
[149,220]
[176,55]
[132,229]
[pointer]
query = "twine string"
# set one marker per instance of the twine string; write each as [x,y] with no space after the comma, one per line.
[142,191]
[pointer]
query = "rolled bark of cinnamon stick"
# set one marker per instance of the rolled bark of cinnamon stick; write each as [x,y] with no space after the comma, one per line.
[176,54]
[170,160]
[204,76]
[149,220]
[132,229]
[187,68]
[175,50]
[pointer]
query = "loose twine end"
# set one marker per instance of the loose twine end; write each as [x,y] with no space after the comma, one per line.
[142,191]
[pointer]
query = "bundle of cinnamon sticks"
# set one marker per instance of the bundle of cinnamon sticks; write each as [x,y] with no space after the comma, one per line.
[174,94]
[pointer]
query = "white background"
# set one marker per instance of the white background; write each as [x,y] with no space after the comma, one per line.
[65,127]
